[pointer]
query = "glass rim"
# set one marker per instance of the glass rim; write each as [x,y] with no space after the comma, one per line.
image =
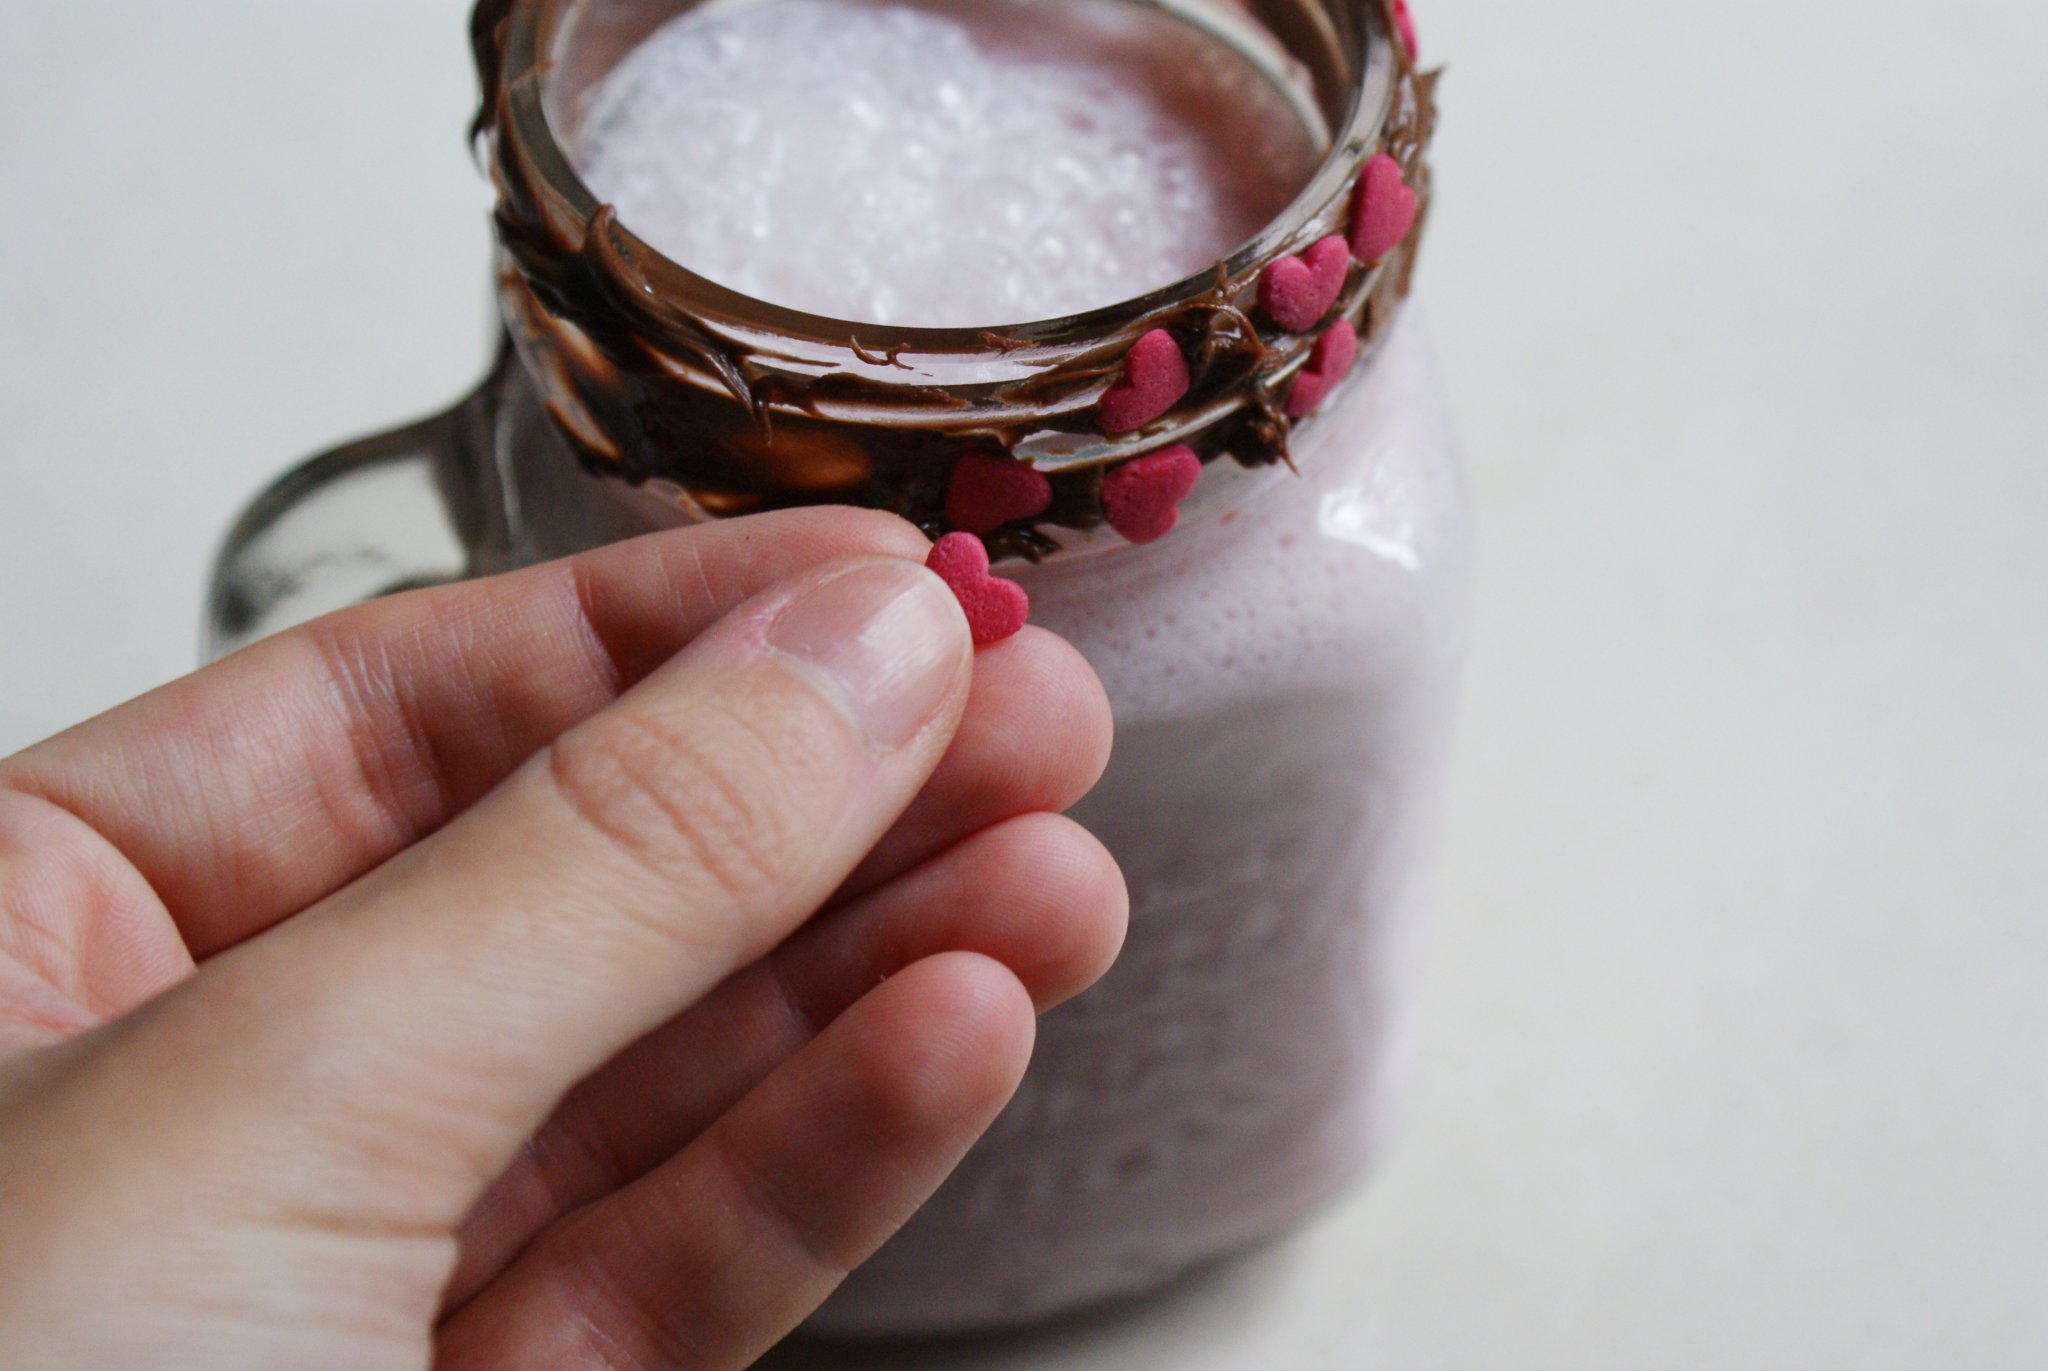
[523,96]
[656,372]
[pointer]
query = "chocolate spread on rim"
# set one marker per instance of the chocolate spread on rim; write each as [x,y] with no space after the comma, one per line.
[655,373]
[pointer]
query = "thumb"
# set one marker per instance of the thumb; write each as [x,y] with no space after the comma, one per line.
[402,1039]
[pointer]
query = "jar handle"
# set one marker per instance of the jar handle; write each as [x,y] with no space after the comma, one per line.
[394,512]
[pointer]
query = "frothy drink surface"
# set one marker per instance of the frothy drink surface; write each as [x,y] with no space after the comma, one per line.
[972,163]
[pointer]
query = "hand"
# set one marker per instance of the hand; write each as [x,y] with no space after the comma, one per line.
[440,983]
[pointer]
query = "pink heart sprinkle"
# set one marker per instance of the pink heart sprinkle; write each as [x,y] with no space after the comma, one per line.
[1142,498]
[1382,210]
[996,609]
[1333,356]
[1155,379]
[1296,292]
[1406,23]
[986,492]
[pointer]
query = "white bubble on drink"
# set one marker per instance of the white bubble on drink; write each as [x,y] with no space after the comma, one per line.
[1282,665]
[951,164]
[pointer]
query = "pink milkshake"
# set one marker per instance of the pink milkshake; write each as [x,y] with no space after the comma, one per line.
[1279,665]
[810,251]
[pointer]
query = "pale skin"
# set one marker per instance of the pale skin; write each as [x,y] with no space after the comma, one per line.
[578,970]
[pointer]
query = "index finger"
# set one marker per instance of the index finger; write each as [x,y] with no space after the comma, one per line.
[254,788]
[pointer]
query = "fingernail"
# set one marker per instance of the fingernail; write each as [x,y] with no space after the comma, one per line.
[885,639]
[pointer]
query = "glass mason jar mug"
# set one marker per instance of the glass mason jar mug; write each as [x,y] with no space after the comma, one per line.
[1243,505]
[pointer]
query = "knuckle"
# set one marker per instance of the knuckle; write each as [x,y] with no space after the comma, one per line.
[689,811]
[388,787]
[608,1310]
[63,888]
[806,1235]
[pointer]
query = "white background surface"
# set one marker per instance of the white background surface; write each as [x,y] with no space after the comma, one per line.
[1733,1048]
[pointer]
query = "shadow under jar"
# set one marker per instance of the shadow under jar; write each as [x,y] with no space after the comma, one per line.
[1282,660]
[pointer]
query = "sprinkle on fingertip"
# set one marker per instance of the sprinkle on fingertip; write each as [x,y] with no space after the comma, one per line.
[996,609]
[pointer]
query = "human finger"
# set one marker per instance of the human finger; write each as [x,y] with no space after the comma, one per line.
[250,790]
[712,1258]
[1037,894]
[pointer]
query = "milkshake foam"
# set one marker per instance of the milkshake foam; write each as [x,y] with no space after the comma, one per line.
[965,164]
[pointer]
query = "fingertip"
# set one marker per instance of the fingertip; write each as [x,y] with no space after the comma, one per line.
[1035,738]
[949,1040]
[1086,907]
[886,640]
[1042,895]
[1050,714]
[1074,694]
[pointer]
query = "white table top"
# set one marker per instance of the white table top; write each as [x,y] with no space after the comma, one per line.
[1732,1055]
